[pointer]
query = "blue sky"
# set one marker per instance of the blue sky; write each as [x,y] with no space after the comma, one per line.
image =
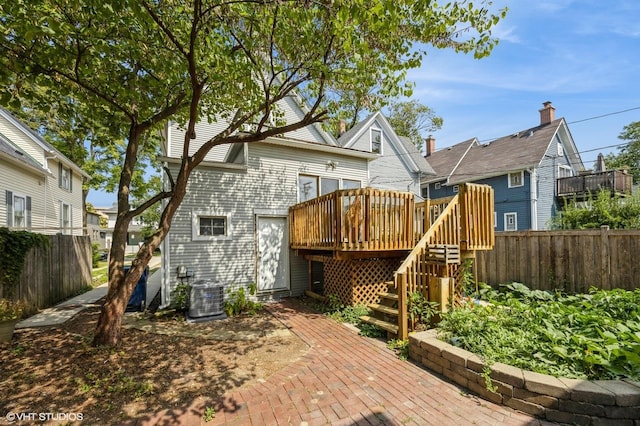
[583,56]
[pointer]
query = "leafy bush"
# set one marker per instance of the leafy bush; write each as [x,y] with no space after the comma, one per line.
[615,212]
[96,254]
[421,310]
[593,336]
[180,297]
[238,302]
[350,314]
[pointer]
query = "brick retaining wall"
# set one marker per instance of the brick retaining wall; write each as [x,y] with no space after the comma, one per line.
[583,402]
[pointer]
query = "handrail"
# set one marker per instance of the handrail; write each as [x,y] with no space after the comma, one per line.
[365,219]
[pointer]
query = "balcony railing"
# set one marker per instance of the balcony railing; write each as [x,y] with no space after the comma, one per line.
[615,181]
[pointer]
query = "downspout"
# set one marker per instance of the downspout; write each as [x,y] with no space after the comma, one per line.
[533,195]
[165,284]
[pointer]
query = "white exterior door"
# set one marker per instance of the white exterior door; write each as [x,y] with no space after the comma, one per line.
[273,253]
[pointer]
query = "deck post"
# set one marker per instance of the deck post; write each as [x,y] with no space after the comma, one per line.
[403,316]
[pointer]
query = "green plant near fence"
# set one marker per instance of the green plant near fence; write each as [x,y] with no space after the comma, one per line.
[14,246]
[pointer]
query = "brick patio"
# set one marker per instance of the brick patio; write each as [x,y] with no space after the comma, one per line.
[345,379]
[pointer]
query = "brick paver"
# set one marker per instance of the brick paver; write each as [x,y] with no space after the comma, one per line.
[345,379]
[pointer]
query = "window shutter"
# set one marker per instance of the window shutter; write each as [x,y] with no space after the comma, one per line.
[9,208]
[60,207]
[70,180]
[28,212]
[59,175]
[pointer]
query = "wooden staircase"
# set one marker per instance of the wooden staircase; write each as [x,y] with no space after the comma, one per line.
[385,313]
[463,226]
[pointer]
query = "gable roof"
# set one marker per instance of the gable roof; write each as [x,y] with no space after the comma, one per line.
[408,153]
[445,161]
[48,149]
[14,154]
[470,160]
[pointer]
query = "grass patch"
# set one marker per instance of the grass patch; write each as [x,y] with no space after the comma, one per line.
[594,336]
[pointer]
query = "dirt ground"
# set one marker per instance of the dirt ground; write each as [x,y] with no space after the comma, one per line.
[56,370]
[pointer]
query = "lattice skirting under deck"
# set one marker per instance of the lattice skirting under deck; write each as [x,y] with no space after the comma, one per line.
[358,280]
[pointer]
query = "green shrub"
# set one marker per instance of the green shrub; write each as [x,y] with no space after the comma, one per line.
[594,335]
[421,310]
[238,302]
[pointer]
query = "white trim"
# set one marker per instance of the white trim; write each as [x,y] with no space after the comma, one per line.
[565,167]
[560,149]
[521,172]
[495,219]
[195,225]
[533,194]
[456,189]
[515,221]
[437,185]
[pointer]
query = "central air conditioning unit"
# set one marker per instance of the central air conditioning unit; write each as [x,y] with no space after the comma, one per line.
[206,301]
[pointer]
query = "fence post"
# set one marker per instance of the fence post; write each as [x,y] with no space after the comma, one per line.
[605,255]
[464,216]
[403,317]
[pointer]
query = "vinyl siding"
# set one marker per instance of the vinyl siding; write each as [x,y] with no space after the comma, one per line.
[547,176]
[388,171]
[25,143]
[55,195]
[269,182]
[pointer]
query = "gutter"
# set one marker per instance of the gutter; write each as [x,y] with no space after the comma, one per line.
[533,195]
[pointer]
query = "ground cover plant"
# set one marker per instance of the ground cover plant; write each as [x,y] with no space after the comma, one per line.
[593,336]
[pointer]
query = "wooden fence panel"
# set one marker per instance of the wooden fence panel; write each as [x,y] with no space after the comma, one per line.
[572,261]
[56,272]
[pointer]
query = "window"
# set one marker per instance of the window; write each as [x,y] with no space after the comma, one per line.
[213,226]
[207,225]
[18,210]
[516,179]
[437,185]
[307,187]
[424,192]
[564,171]
[328,185]
[65,178]
[456,189]
[65,218]
[511,221]
[350,184]
[376,141]
[560,150]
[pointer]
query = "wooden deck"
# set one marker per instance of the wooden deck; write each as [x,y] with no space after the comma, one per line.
[431,236]
[615,181]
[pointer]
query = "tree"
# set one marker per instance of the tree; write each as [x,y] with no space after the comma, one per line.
[141,63]
[629,156]
[412,119]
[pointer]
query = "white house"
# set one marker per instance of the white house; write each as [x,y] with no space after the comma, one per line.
[232,225]
[42,188]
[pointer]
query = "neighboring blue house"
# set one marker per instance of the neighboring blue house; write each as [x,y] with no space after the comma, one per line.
[522,168]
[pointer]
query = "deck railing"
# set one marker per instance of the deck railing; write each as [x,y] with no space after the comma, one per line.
[365,219]
[615,181]
[466,222]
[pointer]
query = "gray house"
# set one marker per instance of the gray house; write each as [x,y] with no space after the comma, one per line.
[522,167]
[232,226]
[399,165]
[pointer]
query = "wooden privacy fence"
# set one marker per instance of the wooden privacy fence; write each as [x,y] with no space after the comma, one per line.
[572,261]
[56,272]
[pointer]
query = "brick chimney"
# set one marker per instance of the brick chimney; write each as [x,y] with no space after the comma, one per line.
[547,114]
[431,145]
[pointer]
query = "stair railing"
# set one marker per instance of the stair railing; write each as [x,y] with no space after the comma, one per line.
[413,274]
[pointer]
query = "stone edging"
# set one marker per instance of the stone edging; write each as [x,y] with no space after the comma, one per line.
[562,400]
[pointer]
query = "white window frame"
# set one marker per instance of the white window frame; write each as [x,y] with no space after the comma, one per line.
[196,215]
[371,133]
[495,219]
[456,189]
[564,167]
[316,177]
[560,149]
[521,173]
[65,176]
[66,228]
[437,185]
[515,221]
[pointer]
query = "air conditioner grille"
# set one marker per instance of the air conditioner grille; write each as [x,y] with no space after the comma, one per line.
[206,299]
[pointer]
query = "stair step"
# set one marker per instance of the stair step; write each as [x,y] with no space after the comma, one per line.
[387,310]
[392,328]
[390,296]
[390,284]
